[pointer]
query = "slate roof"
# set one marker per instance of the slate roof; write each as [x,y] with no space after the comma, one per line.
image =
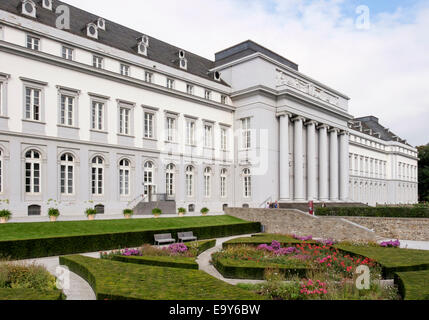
[370,125]
[117,36]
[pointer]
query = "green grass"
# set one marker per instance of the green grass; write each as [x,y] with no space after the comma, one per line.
[40,230]
[29,294]
[264,239]
[125,281]
[413,285]
[160,261]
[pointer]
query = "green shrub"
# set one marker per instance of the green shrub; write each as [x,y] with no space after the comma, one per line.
[5,214]
[159,261]
[413,285]
[202,245]
[53,212]
[205,210]
[128,212]
[156,212]
[386,212]
[181,210]
[90,212]
[30,294]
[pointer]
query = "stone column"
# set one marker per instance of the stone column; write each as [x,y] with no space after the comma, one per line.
[344,166]
[284,157]
[298,159]
[311,160]
[323,163]
[333,165]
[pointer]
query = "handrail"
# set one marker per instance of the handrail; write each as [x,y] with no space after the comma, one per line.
[140,196]
[269,199]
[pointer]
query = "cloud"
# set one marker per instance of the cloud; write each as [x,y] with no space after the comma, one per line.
[385,70]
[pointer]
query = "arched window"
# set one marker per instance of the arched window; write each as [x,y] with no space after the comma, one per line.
[223,183]
[247,183]
[124,177]
[67,174]
[191,208]
[189,181]
[97,176]
[1,171]
[207,182]
[99,208]
[32,172]
[149,169]
[170,180]
[34,210]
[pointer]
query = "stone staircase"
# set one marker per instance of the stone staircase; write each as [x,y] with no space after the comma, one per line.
[145,208]
[304,206]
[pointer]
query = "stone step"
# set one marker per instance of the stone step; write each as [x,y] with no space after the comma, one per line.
[145,208]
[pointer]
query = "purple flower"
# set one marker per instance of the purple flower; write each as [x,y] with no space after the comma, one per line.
[178,248]
[307,238]
[390,244]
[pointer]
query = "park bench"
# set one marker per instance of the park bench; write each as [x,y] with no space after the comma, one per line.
[186,236]
[163,238]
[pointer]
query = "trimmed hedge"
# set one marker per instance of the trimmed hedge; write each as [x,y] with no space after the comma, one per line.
[264,239]
[114,280]
[413,285]
[203,245]
[30,294]
[57,246]
[385,212]
[250,270]
[160,261]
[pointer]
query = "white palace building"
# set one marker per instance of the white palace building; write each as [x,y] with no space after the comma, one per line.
[96,114]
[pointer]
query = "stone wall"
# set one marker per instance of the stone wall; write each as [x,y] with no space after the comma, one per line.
[289,221]
[396,228]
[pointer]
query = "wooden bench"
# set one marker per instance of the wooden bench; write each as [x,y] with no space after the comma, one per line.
[163,238]
[186,236]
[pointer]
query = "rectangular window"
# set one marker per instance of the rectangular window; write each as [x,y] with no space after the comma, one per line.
[97,116]
[33,43]
[190,132]
[190,89]
[171,129]
[208,94]
[223,186]
[149,125]
[97,62]
[124,121]
[1,99]
[66,112]
[148,77]
[32,104]
[66,179]
[1,171]
[208,136]
[125,70]
[246,138]
[67,53]
[223,139]
[170,83]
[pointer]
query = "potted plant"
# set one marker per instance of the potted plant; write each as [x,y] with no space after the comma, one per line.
[182,212]
[53,214]
[91,213]
[128,213]
[156,212]
[5,216]
[204,211]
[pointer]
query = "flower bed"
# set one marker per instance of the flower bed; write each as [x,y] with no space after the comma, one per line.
[255,240]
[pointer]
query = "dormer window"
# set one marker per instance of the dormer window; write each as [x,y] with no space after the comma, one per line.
[183,62]
[101,24]
[143,45]
[28,8]
[217,76]
[47,4]
[92,30]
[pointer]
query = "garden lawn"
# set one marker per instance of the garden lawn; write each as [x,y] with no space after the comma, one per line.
[414,285]
[125,281]
[40,230]
[264,239]
[160,261]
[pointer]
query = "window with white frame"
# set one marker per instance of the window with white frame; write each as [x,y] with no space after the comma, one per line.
[208,94]
[67,174]
[149,172]
[189,178]
[1,171]
[67,53]
[149,125]
[124,177]
[32,172]
[171,129]
[223,183]
[224,139]
[125,70]
[33,43]
[97,62]
[97,116]
[190,89]
[67,110]
[170,83]
[208,136]
[32,103]
[207,182]
[97,176]
[124,120]
[246,134]
[148,76]
[247,183]
[170,180]
[1,99]
[190,132]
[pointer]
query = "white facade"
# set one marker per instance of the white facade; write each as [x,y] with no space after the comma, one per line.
[83,123]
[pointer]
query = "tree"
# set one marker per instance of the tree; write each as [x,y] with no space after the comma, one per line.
[424,172]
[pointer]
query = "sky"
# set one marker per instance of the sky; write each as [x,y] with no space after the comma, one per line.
[376,52]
